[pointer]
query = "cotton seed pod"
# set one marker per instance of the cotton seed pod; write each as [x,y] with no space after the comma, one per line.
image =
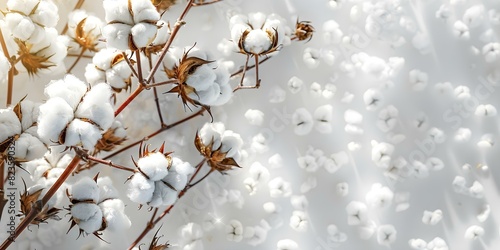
[303,31]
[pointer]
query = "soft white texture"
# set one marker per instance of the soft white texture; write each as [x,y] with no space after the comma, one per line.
[88,216]
[113,211]
[287,244]
[279,188]
[85,189]
[9,124]
[357,213]
[70,89]
[81,133]
[295,84]
[432,217]
[323,116]
[302,121]
[474,232]
[234,231]
[54,116]
[96,106]
[386,234]
[254,117]
[154,166]
[379,196]
[140,189]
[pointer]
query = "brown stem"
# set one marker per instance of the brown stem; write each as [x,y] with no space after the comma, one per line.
[109,163]
[152,223]
[39,205]
[139,67]
[77,6]
[249,67]
[201,179]
[180,22]
[77,59]
[130,64]
[10,80]
[164,128]
[155,92]
[82,56]
[136,92]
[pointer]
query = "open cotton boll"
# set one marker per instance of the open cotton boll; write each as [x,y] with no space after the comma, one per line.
[143,34]
[140,189]
[432,217]
[417,244]
[117,35]
[212,131]
[88,216]
[9,124]
[82,133]
[207,96]
[259,173]
[437,244]
[295,84]
[113,211]
[279,188]
[154,166]
[30,112]
[302,121]
[386,234]
[70,89]
[299,221]
[491,52]
[311,57]
[381,153]
[117,10]
[379,196]
[144,10]
[323,116]
[387,118]
[181,167]
[486,110]
[176,180]
[257,42]
[287,244]
[463,135]
[96,106]
[308,163]
[255,235]
[461,30]
[54,116]
[22,27]
[299,202]
[331,32]
[254,117]
[434,164]
[473,232]
[234,231]
[357,213]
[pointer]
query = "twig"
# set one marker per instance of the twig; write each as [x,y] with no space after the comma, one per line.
[10,81]
[40,204]
[152,223]
[130,64]
[108,163]
[152,85]
[155,92]
[164,128]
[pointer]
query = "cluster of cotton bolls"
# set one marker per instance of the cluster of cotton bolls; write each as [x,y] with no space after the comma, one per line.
[258,34]
[130,24]
[18,125]
[225,141]
[435,244]
[31,24]
[95,206]
[207,81]
[75,115]
[158,180]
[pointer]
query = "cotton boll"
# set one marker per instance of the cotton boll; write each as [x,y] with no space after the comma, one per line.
[96,106]
[434,164]
[144,11]
[191,235]
[461,30]
[279,188]
[163,195]
[315,90]
[254,117]
[486,141]
[476,190]
[259,143]
[329,91]
[331,32]
[387,118]
[299,221]
[88,216]
[432,217]
[419,170]
[381,153]
[311,57]
[379,196]
[372,99]
[474,232]
[386,234]
[117,35]
[418,79]
[462,92]
[486,110]
[459,184]
[295,84]
[259,173]
[106,189]
[29,147]
[255,235]
[357,213]
[484,214]
[352,116]
[234,231]
[181,167]
[212,132]
[308,163]
[463,135]
[275,161]
[491,52]
[474,15]
[437,135]
[418,244]
[287,244]
[299,202]
[140,189]
[437,244]
[9,124]
[113,211]
[302,121]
